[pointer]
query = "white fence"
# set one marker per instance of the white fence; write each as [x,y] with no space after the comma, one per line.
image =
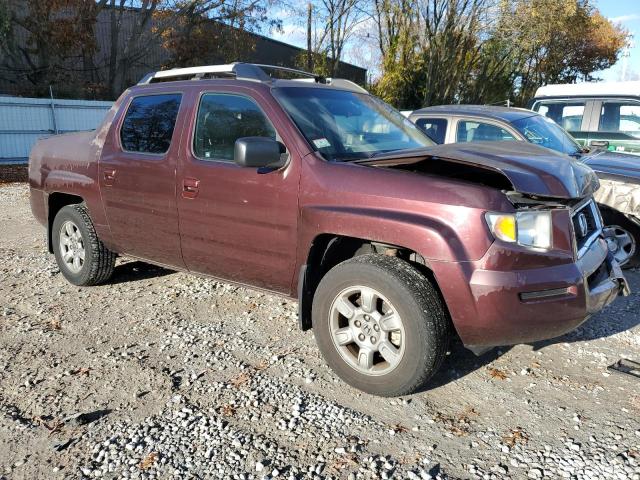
[24,120]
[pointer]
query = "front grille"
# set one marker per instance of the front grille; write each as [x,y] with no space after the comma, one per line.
[586,225]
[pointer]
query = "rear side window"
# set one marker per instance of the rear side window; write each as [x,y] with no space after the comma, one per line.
[471,131]
[224,118]
[567,114]
[620,117]
[436,128]
[149,123]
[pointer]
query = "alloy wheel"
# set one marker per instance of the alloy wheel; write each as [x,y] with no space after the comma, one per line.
[367,330]
[621,244]
[72,248]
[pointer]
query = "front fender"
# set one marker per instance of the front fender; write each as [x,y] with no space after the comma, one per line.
[433,238]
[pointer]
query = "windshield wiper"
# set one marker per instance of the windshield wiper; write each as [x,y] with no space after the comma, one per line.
[351,157]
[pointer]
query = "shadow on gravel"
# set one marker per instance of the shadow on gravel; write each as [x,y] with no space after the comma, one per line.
[460,362]
[136,270]
[622,315]
[90,417]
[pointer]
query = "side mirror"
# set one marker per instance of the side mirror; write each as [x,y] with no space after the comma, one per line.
[258,152]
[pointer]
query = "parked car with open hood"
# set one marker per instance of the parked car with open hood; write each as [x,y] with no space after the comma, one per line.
[602,115]
[316,190]
[619,174]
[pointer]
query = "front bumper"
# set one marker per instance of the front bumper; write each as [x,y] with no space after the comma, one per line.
[493,307]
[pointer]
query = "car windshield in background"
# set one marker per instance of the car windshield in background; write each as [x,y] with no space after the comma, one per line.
[546,133]
[344,125]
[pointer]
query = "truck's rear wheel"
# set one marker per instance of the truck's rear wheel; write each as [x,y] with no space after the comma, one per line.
[380,325]
[81,256]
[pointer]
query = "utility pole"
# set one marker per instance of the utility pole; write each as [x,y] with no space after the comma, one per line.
[309,52]
[626,53]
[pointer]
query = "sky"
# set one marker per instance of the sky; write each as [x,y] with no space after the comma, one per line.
[624,12]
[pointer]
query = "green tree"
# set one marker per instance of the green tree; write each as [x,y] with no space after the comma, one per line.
[430,49]
[401,62]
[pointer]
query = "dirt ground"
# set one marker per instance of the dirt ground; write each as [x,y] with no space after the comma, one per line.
[164,375]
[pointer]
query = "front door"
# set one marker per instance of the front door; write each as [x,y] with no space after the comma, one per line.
[138,178]
[236,223]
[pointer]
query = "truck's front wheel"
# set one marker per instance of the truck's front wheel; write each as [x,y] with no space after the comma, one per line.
[380,325]
[81,256]
[626,246]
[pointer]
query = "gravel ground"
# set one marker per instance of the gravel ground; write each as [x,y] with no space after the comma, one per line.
[164,375]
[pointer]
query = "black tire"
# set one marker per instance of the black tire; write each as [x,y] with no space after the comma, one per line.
[616,218]
[424,318]
[99,261]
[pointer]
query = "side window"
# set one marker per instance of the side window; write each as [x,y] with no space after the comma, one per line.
[567,114]
[436,128]
[149,122]
[471,131]
[620,117]
[222,119]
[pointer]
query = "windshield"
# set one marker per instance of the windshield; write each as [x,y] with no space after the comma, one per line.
[545,132]
[344,125]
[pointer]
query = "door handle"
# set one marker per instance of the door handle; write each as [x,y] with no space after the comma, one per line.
[190,187]
[599,143]
[109,175]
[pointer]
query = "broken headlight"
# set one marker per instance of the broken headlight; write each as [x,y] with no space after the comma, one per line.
[529,229]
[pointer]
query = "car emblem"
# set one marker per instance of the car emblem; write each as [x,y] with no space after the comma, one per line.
[582,223]
[366,329]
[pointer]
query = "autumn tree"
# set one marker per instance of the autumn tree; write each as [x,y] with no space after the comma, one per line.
[55,42]
[488,51]
[208,31]
[130,39]
[558,41]
[40,39]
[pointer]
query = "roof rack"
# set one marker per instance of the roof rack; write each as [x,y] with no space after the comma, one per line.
[244,71]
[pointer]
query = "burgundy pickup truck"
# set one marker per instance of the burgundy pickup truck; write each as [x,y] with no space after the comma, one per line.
[314,189]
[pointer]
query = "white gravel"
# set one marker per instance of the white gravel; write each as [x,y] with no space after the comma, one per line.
[164,375]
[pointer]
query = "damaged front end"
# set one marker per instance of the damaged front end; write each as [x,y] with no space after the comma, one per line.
[525,288]
[619,197]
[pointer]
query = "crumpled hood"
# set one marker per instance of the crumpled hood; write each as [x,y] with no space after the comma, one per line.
[624,167]
[531,169]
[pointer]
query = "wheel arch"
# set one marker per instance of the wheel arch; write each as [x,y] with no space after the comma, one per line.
[55,202]
[328,250]
[330,234]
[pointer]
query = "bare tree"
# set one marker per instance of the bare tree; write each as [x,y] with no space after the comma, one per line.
[330,26]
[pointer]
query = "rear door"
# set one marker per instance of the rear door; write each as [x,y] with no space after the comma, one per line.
[236,223]
[482,130]
[616,125]
[435,127]
[138,177]
[571,114]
